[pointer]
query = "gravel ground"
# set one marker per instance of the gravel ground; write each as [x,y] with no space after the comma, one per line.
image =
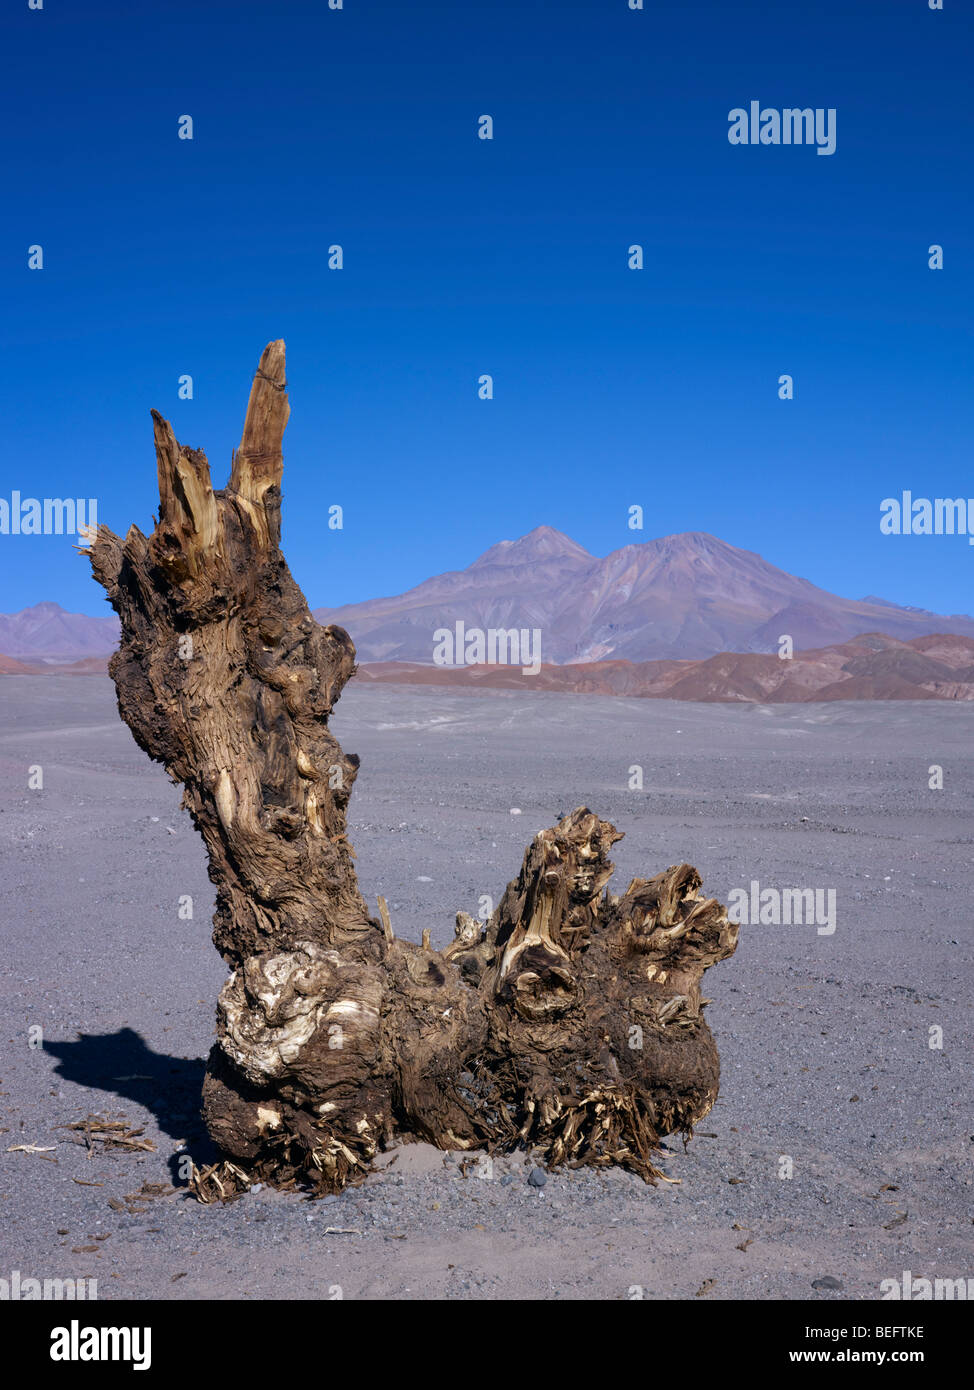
[824,1039]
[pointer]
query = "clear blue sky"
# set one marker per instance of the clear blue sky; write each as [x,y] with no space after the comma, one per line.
[463,256]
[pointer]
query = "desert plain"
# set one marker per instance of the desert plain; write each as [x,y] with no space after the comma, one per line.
[839,1154]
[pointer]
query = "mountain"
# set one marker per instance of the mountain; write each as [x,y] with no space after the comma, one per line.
[873,667]
[678,598]
[682,597]
[47,632]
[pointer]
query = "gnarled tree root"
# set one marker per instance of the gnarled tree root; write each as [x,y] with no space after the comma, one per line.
[570,1022]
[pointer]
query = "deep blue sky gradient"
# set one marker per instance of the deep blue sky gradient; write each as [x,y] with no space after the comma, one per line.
[463,256]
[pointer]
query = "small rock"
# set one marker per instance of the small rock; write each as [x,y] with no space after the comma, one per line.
[537,1177]
[515,810]
[827,1281]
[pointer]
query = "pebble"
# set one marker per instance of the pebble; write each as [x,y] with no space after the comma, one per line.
[537,1177]
[827,1281]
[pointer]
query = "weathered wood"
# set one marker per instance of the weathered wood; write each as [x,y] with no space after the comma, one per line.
[571,1021]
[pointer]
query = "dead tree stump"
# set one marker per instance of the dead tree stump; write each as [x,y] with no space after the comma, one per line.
[571,1022]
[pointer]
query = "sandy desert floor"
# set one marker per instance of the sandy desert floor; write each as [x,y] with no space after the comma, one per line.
[824,1039]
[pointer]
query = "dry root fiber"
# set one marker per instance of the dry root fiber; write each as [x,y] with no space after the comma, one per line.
[571,1022]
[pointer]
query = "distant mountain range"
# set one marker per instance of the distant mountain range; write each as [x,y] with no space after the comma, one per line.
[681,597]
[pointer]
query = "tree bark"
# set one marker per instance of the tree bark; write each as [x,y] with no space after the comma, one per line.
[571,1022]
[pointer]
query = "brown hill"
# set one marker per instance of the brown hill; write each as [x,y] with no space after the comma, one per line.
[874,666]
[88,666]
[10,666]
